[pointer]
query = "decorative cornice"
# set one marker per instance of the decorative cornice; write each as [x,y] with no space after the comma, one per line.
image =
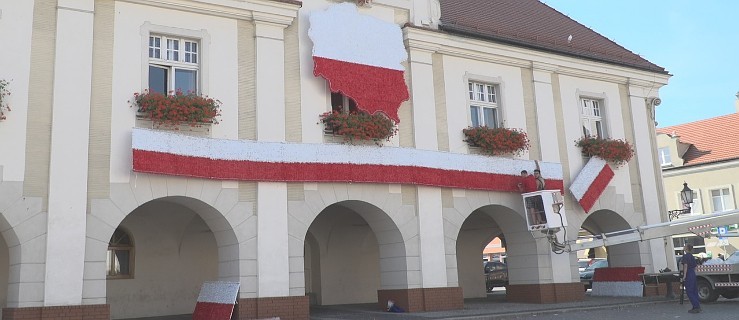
[489,51]
[272,11]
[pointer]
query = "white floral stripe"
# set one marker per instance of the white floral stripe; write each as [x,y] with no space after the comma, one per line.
[342,33]
[617,288]
[277,152]
[587,175]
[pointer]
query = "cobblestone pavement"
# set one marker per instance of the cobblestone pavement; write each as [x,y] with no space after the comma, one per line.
[495,307]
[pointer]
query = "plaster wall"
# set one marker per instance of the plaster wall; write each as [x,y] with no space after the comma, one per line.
[457,72]
[4,272]
[15,67]
[175,252]
[218,76]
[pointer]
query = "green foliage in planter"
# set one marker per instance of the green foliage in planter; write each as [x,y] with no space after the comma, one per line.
[497,141]
[4,93]
[359,126]
[617,151]
[177,108]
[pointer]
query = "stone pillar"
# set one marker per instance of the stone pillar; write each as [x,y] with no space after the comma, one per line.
[65,253]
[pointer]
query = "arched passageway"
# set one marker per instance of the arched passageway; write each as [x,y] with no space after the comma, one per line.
[159,256]
[352,249]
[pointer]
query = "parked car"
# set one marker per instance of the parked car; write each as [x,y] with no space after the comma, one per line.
[586,276]
[496,275]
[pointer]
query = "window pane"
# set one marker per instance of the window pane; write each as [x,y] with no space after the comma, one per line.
[475,117]
[173,48]
[122,261]
[596,109]
[155,47]
[186,80]
[158,79]
[480,92]
[586,127]
[491,94]
[599,129]
[586,107]
[191,52]
[472,92]
[490,115]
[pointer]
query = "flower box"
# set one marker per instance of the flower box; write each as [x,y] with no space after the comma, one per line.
[173,110]
[497,141]
[201,130]
[616,151]
[359,126]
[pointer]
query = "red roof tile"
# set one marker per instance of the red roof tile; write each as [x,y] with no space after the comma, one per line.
[715,139]
[533,24]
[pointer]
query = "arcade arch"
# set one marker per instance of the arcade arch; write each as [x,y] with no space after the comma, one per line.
[352,249]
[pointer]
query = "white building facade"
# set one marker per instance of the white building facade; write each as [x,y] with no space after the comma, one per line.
[82,230]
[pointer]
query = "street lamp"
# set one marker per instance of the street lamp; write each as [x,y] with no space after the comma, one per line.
[686,196]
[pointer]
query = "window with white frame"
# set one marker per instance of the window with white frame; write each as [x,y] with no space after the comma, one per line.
[592,118]
[483,100]
[664,156]
[174,64]
[120,255]
[696,207]
[722,199]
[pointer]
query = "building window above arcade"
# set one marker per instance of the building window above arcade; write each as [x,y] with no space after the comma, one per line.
[664,157]
[120,255]
[173,64]
[592,118]
[484,105]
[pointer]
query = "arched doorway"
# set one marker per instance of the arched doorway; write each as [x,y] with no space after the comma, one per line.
[477,230]
[352,249]
[160,254]
[605,221]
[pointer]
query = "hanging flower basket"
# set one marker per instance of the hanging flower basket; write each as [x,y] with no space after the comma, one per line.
[497,141]
[359,126]
[177,108]
[616,151]
[4,93]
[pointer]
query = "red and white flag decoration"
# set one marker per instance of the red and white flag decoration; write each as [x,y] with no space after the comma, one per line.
[216,300]
[168,153]
[361,57]
[591,182]
[618,282]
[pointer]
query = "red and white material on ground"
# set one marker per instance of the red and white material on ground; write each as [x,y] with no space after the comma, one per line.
[162,152]
[618,282]
[591,182]
[361,57]
[216,300]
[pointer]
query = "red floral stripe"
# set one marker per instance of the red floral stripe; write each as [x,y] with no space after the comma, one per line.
[170,164]
[596,188]
[372,88]
[616,274]
[210,311]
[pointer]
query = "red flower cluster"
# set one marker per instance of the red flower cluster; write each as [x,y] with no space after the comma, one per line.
[497,141]
[177,108]
[359,126]
[616,151]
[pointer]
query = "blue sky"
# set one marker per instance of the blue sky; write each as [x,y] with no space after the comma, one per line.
[696,41]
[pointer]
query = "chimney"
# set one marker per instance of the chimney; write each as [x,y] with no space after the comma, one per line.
[736,102]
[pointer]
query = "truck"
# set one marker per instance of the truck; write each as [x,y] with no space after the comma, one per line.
[716,280]
[713,280]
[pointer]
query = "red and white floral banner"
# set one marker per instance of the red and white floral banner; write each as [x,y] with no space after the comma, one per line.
[169,153]
[216,300]
[618,282]
[361,57]
[591,182]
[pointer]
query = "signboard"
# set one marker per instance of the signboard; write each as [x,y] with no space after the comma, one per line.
[216,300]
[721,232]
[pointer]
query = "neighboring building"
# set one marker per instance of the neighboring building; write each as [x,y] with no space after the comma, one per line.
[101,217]
[705,155]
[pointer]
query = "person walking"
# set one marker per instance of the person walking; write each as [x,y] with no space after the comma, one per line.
[689,278]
